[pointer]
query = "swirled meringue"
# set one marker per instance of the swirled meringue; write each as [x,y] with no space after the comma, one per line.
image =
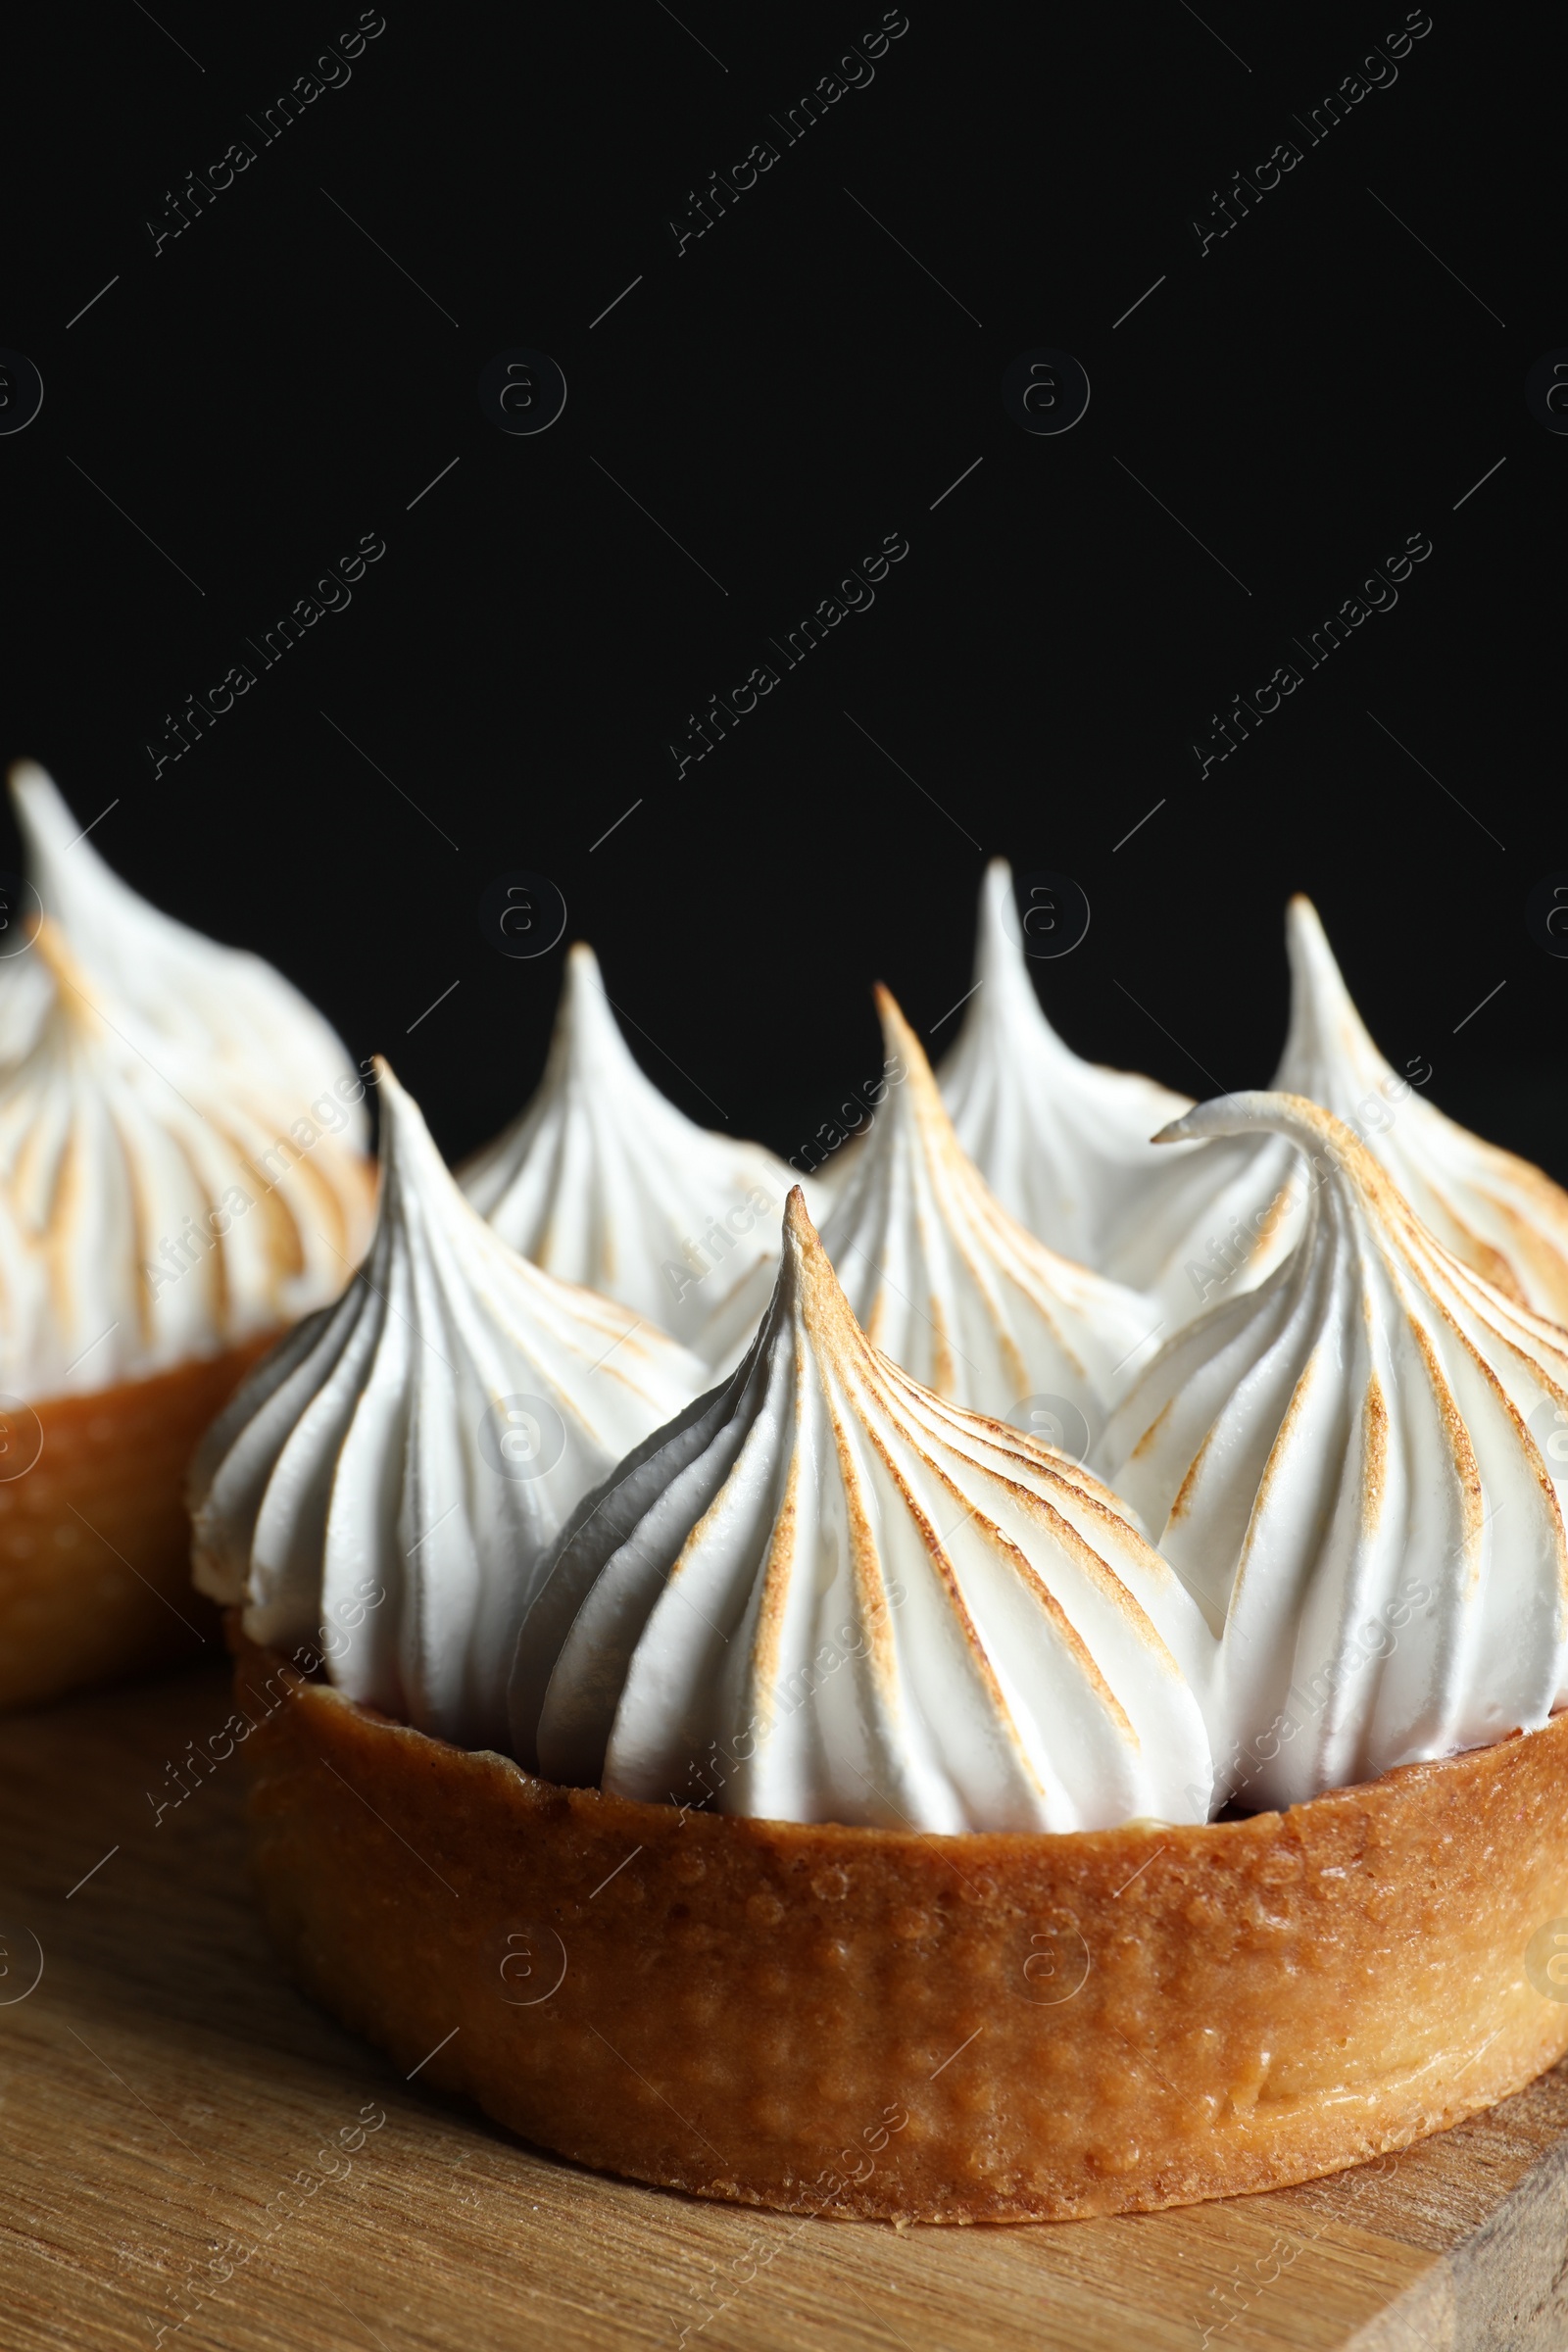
[1065,1144]
[231,1017]
[424,1441]
[846,1600]
[942,1279]
[180,1135]
[1339,1467]
[1502,1215]
[602,1180]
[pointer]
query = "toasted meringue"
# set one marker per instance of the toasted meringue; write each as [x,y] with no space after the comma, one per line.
[235,1020]
[1065,1144]
[1339,1467]
[180,1135]
[847,1599]
[942,1279]
[419,1445]
[1502,1215]
[602,1180]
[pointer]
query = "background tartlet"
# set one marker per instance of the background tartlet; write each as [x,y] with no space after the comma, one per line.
[181,1175]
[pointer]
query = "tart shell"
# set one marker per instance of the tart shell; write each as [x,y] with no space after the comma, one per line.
[94,1541]
[881,2025]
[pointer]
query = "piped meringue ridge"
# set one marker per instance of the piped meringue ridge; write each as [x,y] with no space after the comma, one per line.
[1066,1145]
[1341,1466]
[180,1136]
[940,1277]
[400,1463]
[865,1603]
[603,1181]
[1497,1212]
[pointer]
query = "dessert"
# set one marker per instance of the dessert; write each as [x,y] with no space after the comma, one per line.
[824,1592]
[181,1175]
[954,1290]
[841,1800]
[1343,1467]
[1066,1144]
[1497,1212]
[903,1613]
[399,1467]
[602,1180]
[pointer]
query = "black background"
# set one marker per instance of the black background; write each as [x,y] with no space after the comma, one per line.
[781,395]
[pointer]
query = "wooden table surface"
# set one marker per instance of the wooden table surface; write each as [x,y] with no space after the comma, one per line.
[191,2155]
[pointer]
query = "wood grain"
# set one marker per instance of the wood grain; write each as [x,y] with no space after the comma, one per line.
[171,2109]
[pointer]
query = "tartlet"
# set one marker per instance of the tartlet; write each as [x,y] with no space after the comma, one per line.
[169,1203]
[1104,2022]
[850,1842]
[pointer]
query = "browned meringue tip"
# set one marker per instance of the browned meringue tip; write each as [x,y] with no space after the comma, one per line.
[797,1218]
[22,771]
[1303,925]
[826,1309]
[898,1037]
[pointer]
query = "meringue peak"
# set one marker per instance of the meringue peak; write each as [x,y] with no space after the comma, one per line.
[181,1134]
[1342,1465]
[424,1441]
[1064,1144]
[1501,1214]
[603,1181]
[826,1594]
[224,1009]
[953,1286]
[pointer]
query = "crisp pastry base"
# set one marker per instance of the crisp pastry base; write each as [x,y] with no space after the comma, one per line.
[882,2024]
[94,1540]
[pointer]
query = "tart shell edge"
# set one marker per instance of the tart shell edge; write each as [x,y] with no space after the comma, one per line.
[94,1537]
[871,2023]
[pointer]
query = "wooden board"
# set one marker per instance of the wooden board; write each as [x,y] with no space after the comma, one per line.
[171,2109]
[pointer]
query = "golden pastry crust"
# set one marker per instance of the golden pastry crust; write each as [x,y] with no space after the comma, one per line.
[94,1541]
[873,2023]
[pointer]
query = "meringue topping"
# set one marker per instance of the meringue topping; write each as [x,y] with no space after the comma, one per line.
[827,1594]
[1502,1215]
[240,1021]
[179,1134]
[604,1183]
[423,1441]
[942,1279]
[1066,1144]
[1339,1467]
